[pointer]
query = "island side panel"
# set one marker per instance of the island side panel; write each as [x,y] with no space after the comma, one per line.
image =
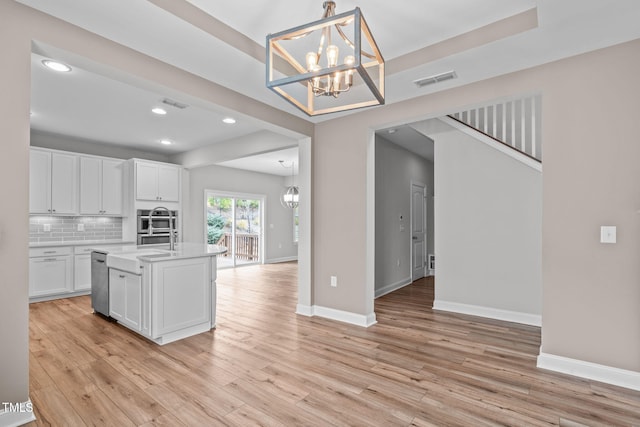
[181,295]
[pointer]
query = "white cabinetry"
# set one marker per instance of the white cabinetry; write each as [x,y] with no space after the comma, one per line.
[125,298]
[181,296]
[82,269]
[101,182]
[156,181]
[50,272]
[53,182]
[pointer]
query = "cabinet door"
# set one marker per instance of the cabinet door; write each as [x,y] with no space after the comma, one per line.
[112,172]
[146,181]
[116,294]
[39,182]
[64,180]
[125,298]
[49,276]
[169,183]
[90,186]
[82,273]
[133,302]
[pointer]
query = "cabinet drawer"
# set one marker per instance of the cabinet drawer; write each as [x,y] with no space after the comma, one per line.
[50,252]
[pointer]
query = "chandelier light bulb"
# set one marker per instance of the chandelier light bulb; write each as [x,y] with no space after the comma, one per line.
[332,55]
[312,61]
[348,77]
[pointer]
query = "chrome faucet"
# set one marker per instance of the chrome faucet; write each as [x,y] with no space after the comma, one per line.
[172,237]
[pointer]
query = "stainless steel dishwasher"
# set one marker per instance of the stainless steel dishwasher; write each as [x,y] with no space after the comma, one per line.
[99,283]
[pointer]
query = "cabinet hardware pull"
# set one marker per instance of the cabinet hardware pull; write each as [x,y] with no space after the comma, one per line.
[50,259]
[99,260]
[49,252]
[121,276]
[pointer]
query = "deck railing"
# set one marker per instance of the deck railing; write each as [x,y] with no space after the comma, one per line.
[247,246]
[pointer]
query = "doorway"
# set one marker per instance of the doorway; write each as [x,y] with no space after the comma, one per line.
[234,220]
[418,230]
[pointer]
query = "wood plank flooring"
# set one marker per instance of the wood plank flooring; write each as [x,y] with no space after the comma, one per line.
[266,366]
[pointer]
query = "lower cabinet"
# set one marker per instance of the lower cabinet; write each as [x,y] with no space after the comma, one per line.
[82,272]
[125,298]
[50,272]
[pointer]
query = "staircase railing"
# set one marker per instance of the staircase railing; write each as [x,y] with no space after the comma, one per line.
[515,123]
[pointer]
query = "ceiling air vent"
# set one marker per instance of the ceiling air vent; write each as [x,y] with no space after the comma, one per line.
[435,79]
[174,104]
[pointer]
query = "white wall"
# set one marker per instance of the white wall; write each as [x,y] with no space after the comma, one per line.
[396,169]
[241,181]
[259,142]
[488,219]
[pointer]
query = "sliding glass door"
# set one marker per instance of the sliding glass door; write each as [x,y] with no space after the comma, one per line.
[235,221]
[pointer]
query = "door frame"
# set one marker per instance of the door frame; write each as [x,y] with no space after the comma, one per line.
[238,195]
[424,227]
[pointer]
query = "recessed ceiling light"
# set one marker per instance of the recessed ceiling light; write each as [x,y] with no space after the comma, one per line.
[57,66]
[391,131]
[165,142]
[159,111]
[229,120]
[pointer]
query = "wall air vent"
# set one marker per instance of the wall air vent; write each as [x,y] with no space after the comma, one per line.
[174,104]
[437,78]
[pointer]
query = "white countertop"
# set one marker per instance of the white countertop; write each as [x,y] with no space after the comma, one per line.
[131,257]
[81,243]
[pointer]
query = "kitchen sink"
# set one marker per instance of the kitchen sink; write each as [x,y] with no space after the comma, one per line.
[162,255]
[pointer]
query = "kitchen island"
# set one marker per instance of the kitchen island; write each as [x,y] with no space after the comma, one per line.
[164,295]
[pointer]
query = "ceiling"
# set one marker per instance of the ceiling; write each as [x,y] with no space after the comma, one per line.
[224,43]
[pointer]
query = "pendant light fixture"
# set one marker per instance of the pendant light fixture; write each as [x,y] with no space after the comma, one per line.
[328,65]
[290,196]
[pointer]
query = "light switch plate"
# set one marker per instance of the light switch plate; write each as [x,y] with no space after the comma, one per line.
[608,234]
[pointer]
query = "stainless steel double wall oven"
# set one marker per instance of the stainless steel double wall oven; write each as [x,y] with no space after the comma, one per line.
[159,231]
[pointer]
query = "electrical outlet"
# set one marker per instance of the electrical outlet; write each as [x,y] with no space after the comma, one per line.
[47,227]
[80,227]
[334,281]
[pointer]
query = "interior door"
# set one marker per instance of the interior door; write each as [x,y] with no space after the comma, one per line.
[418,231]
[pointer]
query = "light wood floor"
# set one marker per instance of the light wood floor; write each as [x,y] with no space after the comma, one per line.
[264,365]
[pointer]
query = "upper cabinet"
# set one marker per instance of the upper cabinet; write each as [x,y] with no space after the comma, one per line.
[157,181]
[53,183]
[101,182]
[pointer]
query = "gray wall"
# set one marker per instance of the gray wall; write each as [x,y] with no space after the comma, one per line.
[278,239]
[488,220]
[396,169]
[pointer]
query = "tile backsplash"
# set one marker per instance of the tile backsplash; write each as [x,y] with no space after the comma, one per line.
[44,229]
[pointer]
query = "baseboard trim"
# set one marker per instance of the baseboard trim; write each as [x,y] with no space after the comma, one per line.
[283,259]
[589,370]
[339,315]
[492,313]
[17,418]
[304,310]
[392,287]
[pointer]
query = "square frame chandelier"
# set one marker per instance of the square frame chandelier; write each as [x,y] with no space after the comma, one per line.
[329,65]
